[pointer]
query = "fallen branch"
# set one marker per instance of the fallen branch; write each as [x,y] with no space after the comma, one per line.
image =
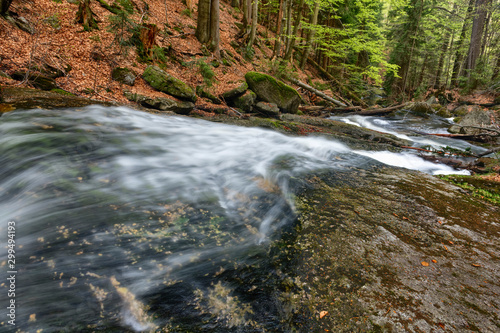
[376,112]
[493,150]
[317,92]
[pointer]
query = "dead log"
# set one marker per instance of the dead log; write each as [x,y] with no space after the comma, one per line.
[148,38]
[317,92]
[377,112]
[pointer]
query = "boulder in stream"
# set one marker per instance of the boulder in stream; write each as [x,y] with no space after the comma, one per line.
[476,118]
[270,90]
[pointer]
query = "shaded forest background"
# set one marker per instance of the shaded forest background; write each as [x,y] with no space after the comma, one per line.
[407,47]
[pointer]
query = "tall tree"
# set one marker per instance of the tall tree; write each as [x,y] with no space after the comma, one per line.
[207,28]
[478,25]
[310,34]
[255,15]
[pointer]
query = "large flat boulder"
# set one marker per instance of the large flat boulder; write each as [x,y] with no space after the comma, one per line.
[164,82]
[270,90]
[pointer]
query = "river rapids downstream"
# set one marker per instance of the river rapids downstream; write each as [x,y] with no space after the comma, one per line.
[125,221]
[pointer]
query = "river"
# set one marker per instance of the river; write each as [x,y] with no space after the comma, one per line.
[129,221]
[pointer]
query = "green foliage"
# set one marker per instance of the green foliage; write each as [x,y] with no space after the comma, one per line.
[159,54]
[186,12]
[121,25]
[248,53]
[95,38]
[206,72]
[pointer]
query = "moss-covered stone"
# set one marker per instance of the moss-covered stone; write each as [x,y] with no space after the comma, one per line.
[203,93]
[271,90]
[246,101]
[164,82]
[124,75]
[420,108]
[25,98]
[267,109]
[160,103]
[234,93]
[38,80]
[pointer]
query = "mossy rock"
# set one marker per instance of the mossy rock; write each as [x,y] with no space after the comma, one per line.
[160,103]
[271,90]
[420,108]
[441,111]
[235,93]
[38,80]
[164,82]
[124,75]
[476,117]
[25,98]
[201,92]
[267,109]
[461,111]
[246,101]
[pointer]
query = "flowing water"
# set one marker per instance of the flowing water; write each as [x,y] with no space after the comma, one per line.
[129,221]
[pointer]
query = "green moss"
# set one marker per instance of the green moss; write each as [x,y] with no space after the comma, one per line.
[62,92]
[168,84]
[478,187]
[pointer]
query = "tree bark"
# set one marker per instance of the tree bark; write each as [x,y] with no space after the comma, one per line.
[291,45]
[476,36]
[459,55]
[203,23]
[279,28]
[214,28]
[310,35]
[255,15]
[85,16]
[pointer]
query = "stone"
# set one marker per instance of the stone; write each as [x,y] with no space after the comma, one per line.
[124,75]
[246,101]
[421,108]
[270,90]
[441,111]
[201,92]
[160,103]
[462,110]
[164,82]
[234,93]
[476,117]
[267,109]
[38,80]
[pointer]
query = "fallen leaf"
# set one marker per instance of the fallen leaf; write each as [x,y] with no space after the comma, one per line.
[405,218]
[322,314]
[434,261]
[445,247]
[32,317]
[476,265]
[395,214]
[450,242]
[440,222]
[424,263]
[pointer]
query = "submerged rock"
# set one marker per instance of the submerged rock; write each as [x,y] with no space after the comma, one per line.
[270,90]
[164,82]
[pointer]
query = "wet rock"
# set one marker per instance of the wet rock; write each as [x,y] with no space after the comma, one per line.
[160,103]
[124,75]
[441,111]
[164,82]
[246,101]
[476,117]
[270,90]
[397,257]
[203,93]
[232,94]
[460,111]
[38,80]
[420,108]
[25,98]
[267,109]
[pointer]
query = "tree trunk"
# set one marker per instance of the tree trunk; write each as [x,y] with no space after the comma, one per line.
[291,45]
[310,35]
[279,28]
[4,6]
[459,55]
[214,28]
[255,15]
[476,36]
[85,16]
[203,24]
